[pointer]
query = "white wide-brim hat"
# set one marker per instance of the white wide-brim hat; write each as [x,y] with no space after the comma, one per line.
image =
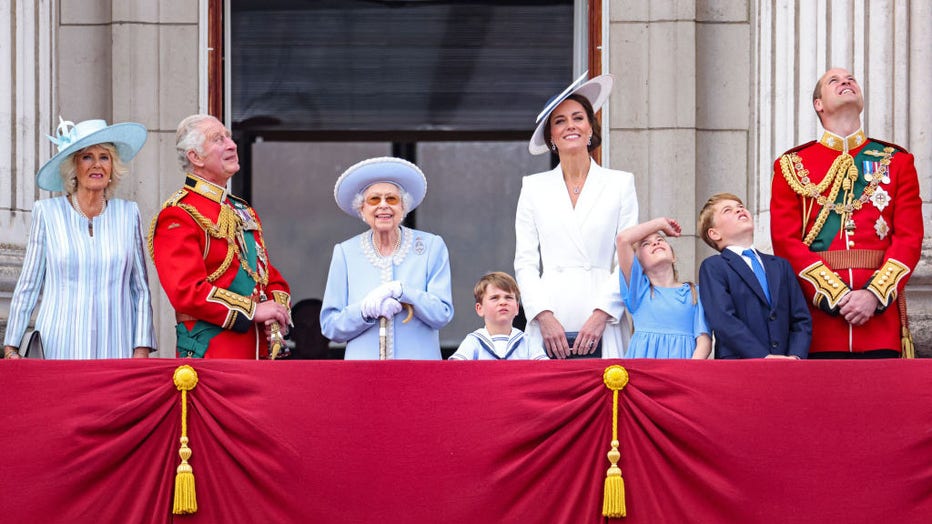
[596,91]
[127,137]
[358,177]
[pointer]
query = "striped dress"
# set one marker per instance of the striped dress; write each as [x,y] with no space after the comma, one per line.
[95,293]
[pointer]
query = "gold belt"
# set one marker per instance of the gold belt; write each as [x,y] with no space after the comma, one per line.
[853,258]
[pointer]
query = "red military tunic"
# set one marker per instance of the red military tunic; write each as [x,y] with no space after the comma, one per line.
[847,214]
[210,256]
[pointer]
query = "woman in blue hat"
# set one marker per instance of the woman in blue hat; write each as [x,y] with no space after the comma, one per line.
[566,222]
[391,280]
[85,252]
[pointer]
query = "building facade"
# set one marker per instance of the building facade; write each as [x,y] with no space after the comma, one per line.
[707,95]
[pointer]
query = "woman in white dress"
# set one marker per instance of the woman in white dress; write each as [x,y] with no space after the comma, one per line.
[85,252]
[566,222]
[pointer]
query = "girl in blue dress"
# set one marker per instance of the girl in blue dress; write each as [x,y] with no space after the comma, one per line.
[668,318]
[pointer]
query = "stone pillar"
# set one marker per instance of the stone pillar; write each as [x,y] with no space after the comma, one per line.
[27,39]
[652,114]
[155,81]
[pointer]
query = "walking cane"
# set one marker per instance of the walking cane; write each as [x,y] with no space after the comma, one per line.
[383,338]
[383,330]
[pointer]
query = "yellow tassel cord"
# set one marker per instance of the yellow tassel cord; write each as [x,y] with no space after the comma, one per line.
[613,502]
[906,341]
[185,379]
[907,349]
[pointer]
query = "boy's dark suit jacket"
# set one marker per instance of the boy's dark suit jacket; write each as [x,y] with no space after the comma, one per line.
[744,324]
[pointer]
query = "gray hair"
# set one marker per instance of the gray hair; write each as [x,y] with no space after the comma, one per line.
[189,137]
[68,170]
[360,197]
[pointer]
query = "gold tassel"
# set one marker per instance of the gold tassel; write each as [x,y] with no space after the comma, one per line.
[906,344]
[185,503]
[613,497]
[907,349]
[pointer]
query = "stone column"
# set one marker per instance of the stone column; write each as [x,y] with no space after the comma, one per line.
[652,117]
[155,81]
[26,72]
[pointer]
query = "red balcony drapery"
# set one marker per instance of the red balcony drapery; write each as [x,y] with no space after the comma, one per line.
[468,442]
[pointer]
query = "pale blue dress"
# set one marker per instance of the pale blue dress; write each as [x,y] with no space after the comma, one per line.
[666,324]
[95,291]
[481,345]
[421,263]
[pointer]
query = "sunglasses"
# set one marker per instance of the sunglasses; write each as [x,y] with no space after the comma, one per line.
[375,200]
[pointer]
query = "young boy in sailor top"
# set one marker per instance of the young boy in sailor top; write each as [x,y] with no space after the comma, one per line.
[497,298]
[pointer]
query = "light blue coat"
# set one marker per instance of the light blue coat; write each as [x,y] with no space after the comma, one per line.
[95,293]
[421,263]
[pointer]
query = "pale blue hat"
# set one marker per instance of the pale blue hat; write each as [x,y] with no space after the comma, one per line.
[127,137]
[393,170]
[596,91]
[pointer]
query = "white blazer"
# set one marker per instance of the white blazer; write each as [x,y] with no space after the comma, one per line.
[565,258]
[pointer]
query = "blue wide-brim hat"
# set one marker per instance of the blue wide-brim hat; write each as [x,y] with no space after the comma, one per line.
[127,137]
[393,170]
[596,91]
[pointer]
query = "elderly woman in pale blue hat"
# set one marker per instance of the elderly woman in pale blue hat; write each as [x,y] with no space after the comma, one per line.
[388,291]
[85,252]
[566,222]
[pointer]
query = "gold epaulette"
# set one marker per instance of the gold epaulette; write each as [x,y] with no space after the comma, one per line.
[172,201]
[828,285]
[885,280]
[800,147]
[890,144]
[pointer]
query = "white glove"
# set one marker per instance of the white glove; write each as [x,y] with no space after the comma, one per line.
[390,308]
[371,305]
[391,289]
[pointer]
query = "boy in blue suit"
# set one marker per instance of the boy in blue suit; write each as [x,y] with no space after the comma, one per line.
[752,302]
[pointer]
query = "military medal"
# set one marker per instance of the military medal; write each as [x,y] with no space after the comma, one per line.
[850,226]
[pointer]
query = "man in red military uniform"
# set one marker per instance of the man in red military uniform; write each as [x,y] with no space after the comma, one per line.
[211,259]
[846,212]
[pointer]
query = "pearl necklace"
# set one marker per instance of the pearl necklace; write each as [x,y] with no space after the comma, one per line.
[90,221]
[378,249]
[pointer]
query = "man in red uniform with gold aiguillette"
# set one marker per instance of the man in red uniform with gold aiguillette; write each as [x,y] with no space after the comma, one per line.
[208,249]
[846,212]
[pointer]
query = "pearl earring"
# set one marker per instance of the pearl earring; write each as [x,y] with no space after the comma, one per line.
[553,146]
[589,142]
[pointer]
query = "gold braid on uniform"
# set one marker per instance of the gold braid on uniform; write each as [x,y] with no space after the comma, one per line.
[842,169]
[227,226]
[842,174]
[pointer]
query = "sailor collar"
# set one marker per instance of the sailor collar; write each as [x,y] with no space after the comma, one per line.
[843,144]
[204,188]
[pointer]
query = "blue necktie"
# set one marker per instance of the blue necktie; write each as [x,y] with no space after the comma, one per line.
[758,271]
